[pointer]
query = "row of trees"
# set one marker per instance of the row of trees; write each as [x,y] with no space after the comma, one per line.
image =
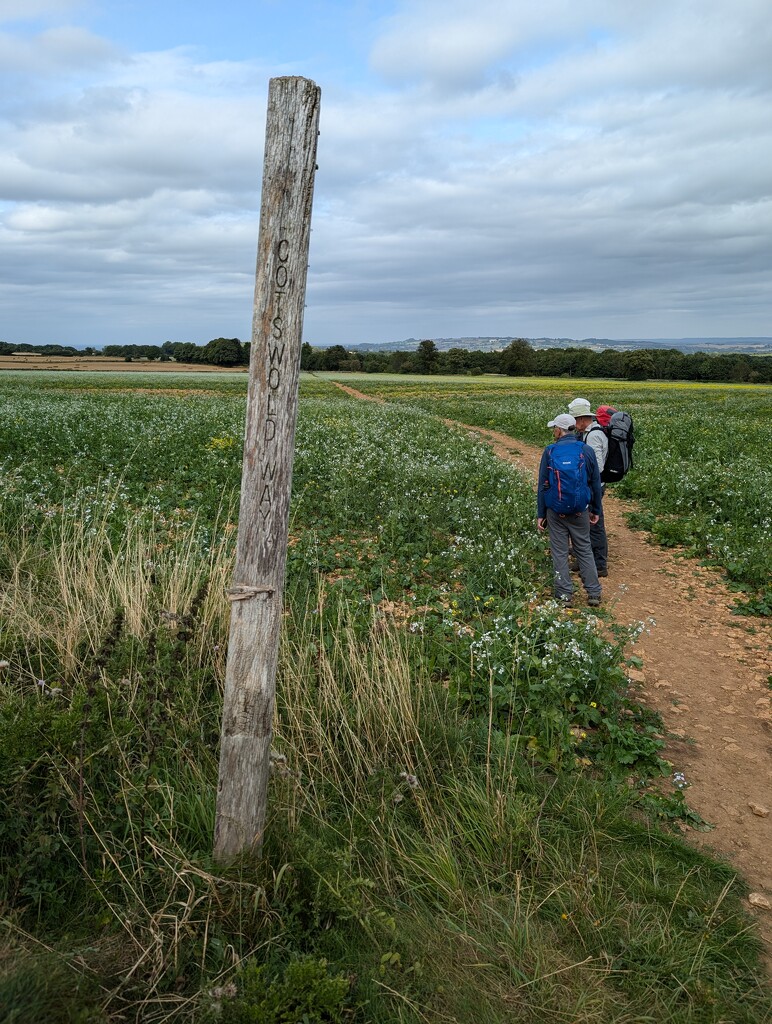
[7,348]
[519,359]
[217,352]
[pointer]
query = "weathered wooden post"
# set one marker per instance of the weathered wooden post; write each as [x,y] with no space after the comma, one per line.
[261,553]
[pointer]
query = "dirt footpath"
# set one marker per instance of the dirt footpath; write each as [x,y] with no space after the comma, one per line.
[706,672]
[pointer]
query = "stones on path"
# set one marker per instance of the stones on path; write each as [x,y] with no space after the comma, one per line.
[758,809]
[760,901]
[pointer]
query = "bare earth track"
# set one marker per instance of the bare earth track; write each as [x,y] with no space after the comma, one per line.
[705,670]
[107,364]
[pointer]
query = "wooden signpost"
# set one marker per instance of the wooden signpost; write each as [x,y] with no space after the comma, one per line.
[258,583]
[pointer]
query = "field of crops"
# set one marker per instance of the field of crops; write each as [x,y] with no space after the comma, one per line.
[701,479]
[468,806]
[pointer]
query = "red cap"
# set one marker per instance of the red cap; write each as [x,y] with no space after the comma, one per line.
[604,413]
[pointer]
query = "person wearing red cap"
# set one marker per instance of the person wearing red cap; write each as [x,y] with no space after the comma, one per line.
[604,413]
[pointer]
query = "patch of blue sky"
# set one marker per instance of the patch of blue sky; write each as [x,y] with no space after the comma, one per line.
[326,40]
[600,36]
[323,38]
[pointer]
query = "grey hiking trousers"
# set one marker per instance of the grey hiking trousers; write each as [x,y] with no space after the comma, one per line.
[575,528]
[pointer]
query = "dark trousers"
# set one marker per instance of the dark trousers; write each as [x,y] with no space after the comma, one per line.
[599,542]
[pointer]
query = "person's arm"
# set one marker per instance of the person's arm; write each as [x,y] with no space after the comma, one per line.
[593,478]
[541,504]
[597,440]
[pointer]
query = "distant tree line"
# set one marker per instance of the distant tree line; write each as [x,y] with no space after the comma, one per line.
[519,359]
[7,348]
[217,352]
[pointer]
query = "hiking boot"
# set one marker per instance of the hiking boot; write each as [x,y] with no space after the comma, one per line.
[566,600]
[594,602]
[602,573]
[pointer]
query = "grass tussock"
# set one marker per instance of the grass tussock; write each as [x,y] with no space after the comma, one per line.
[62,585]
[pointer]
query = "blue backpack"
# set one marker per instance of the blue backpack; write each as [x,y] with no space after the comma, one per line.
[568,491]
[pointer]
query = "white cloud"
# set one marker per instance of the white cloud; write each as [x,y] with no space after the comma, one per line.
[460,42]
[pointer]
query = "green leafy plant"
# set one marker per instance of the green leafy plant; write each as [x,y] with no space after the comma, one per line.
[304,991]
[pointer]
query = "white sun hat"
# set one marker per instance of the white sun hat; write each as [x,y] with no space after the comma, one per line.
[580,407]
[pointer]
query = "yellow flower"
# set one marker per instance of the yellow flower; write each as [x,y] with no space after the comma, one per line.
[221,444]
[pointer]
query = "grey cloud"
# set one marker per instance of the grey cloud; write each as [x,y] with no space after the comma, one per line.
[23,10]
[113,144]
[594,223]
[54,51]
[150,275]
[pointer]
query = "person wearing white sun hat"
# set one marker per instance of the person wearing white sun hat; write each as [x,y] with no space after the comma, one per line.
[587,428]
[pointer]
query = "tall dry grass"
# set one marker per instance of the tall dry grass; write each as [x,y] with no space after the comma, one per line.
[64,583]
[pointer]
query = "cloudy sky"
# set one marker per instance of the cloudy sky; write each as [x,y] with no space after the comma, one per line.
[486,167]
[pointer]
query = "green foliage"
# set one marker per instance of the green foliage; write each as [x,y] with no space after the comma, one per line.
[223,352]
[43,988]
[518,359]
[639,365]
[99,756]
[427,357]
[304,991]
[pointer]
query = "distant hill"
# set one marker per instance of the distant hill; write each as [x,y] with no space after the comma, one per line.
[748,346]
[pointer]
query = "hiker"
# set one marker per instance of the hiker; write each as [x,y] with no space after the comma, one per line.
[591,431]
[568,504]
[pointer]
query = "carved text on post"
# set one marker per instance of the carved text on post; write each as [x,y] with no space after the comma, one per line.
[275,346]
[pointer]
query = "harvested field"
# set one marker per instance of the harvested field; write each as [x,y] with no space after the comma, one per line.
[31,361]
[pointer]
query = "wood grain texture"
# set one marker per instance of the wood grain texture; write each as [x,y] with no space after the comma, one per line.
[256,594]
